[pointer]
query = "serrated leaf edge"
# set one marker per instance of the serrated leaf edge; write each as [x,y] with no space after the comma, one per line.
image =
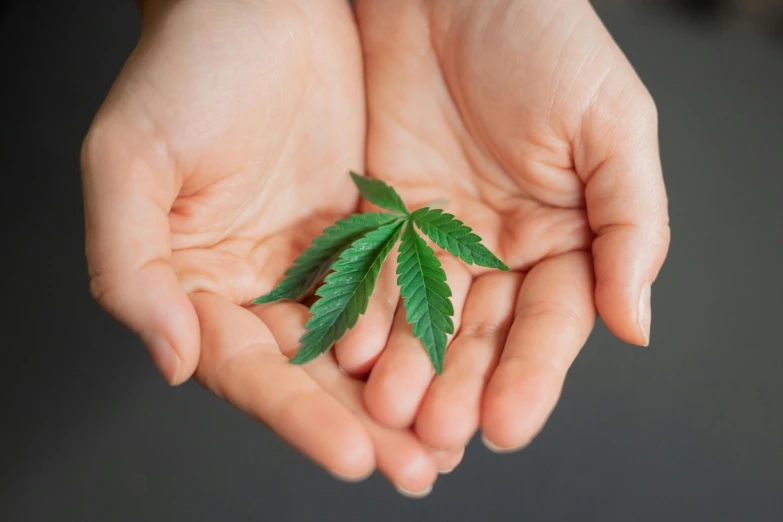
[413,312]
[324,267]
[358,179]
[303,355]
[481,256]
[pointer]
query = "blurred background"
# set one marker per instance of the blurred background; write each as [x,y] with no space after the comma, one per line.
[690,429]
[764,16]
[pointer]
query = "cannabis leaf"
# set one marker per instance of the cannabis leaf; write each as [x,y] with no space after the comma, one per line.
[346,292]
[355,248]
[423,288]
[457,239]
[379,194]
[317,260]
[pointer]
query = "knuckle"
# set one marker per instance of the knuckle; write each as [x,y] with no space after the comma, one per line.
[639,117]
[112,143]
[664,233]
[103,293]
[547,309]
[484,330]
[647,106]
[542,363]
[91,147]
[101,139]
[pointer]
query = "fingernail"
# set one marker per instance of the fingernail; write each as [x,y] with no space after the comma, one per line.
[446,471]
[411,494]
[498,449]
[645,313]
[351,478]
[163,355]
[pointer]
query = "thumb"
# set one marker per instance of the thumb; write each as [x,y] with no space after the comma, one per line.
[129,185]
[619,160]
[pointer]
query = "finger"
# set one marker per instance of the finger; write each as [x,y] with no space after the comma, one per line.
[129,186]
[626,205]
[403,372]
[449,414]
[359,349]
[398,453]
[552,320]
[448,460]
[241,362]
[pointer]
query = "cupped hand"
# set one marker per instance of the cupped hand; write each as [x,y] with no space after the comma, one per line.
[525,117]
[221,150]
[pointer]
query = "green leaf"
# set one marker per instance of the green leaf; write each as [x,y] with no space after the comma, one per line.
[315,262]
[453,236]
[422,283]
[379,194]
[346,292]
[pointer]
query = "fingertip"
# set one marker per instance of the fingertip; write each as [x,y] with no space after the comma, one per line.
[151,302]
[446,422]
[380,403]
[393,393]
[163,356]
[413,494]
[186,334]
[322,428]
[644,313]
[359,350]
[357,460]
[494,448]
[447,460]
[409,465]
[243,364]
[517,404]
[625,309]
[627,260]
[416,477]
[175,325]
[352,478]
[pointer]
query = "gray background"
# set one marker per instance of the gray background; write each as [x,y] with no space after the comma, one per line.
[689,429]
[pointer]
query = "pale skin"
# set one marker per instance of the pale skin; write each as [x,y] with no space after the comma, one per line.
[224,147]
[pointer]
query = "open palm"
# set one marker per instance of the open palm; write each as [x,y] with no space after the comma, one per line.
[220,152]
[528,121]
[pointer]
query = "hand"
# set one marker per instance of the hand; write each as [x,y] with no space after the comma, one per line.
[222,149]
[528,120]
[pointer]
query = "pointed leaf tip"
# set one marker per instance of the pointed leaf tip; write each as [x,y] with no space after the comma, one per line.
[310,267]
[379,194]
[346,291]
[425,294]
[455,237]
